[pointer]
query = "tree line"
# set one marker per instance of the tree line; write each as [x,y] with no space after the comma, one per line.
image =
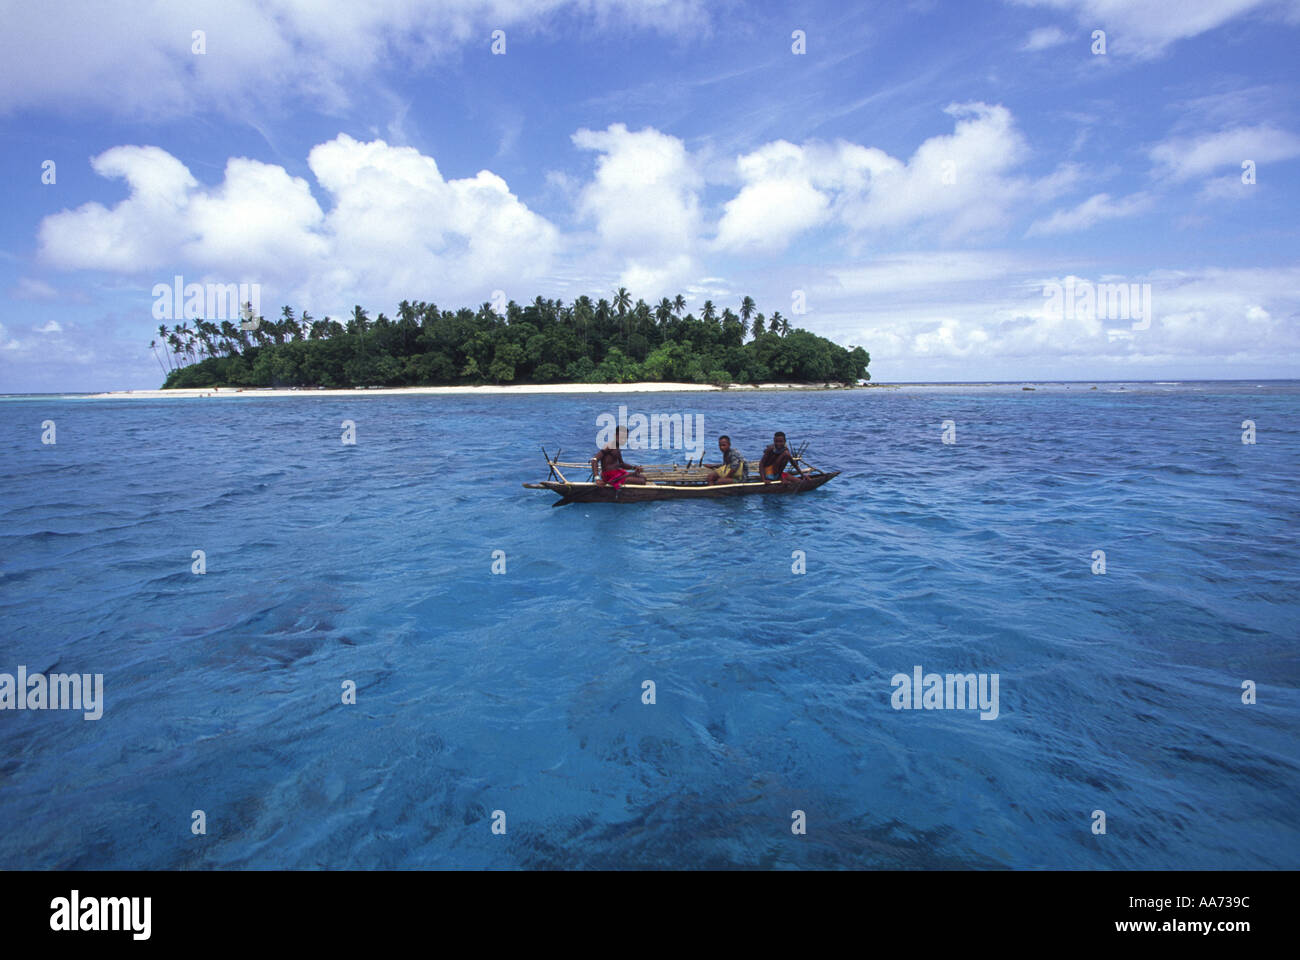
[547,341]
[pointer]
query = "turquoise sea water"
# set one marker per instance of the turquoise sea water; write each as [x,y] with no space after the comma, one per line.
[522,692]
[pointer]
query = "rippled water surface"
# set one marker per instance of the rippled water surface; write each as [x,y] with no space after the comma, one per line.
[522,692]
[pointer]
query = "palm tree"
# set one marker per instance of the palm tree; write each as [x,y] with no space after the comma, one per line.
[185,340]
[622,301]
[206,331]
[746,309]
[708,311]
[162,334]
[153,345]
[582,314]
[757,328]
[231,334]
[664,311]
[780,324]
[679,304]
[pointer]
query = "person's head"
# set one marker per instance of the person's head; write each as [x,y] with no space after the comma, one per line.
[778,440]
[724,443]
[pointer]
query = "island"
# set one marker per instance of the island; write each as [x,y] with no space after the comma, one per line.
[546,342]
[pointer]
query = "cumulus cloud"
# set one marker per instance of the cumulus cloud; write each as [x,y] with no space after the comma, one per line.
[1144,28]
[140,232]
[954,184]
[396,229]
[1092,211]
[960,178]
[644,203]
[377,223]
[789,189]
[397,223]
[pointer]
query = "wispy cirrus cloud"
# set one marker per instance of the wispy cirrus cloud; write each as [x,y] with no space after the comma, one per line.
[1183,158]
[1145,28]
[1043,38]
[1096,209]
[140,60]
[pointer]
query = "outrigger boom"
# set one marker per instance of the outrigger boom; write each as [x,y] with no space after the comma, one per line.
[669,481]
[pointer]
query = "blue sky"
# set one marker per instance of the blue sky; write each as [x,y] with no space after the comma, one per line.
[920,178]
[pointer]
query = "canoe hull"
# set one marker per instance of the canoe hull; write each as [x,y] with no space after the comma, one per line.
[644,493]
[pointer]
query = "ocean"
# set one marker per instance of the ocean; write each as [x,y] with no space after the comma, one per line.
[714,684]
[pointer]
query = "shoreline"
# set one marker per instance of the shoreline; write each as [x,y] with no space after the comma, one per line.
[643,387]
[504,389]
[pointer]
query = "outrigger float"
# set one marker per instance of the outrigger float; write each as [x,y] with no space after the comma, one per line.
[669,481]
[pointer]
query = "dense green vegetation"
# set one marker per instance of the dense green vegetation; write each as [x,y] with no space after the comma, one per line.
[544,342]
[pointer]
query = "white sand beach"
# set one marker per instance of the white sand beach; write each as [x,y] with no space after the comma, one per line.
[261,392]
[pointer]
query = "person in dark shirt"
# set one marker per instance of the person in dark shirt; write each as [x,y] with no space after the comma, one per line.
[609,467]
[775,458]
[733,466]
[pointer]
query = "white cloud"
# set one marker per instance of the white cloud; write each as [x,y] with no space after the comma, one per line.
[396,228]
[1043,38]
[1187,157]
[1226,188]
[644,203]
[1144,28]
[1094,210]
[257,215]
[954,185]
[906,273]
[50,326]
[943,322]
[32,289]
[778,200]
[140,232]
[398,225]
[136,59]
[958,182]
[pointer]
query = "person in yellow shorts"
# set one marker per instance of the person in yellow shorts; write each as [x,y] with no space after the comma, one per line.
[732,469]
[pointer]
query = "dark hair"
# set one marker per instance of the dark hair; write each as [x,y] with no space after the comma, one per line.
[778,434]
[725,437]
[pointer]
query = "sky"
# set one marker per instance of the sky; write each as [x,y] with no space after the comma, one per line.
[969,189]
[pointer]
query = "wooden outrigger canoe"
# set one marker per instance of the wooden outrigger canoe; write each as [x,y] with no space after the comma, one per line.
[668,482]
